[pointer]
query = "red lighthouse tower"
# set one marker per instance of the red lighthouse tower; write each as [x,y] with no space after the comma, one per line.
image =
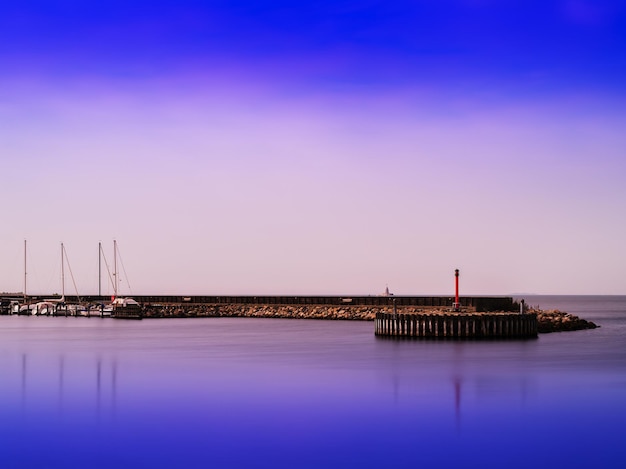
[456,306]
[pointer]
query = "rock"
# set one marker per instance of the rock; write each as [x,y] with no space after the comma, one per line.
[547,321]
[557,321]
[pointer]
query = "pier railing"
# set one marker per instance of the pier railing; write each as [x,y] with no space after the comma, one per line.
[477,303]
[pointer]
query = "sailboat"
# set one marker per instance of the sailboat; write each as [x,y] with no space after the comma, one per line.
[50,306]
[122,308]
[56,305]
[101,307]
[29,308]
[25,307]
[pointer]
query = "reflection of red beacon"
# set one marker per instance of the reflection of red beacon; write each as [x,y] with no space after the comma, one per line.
[456,306]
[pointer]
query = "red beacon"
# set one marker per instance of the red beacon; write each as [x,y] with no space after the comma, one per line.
[456,306]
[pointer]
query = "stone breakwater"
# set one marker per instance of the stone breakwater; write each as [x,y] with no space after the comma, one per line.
[548,321]
[558,321]
[353,313]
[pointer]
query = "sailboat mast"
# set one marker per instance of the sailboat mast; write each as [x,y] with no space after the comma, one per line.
[115,268]
[62,272]
[100,269]
[24,270]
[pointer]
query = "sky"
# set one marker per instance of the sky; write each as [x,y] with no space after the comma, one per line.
[328,148]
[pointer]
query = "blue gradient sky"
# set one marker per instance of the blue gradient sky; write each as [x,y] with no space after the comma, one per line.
[246,147]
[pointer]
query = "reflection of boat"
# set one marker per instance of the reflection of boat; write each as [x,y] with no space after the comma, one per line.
[126,308]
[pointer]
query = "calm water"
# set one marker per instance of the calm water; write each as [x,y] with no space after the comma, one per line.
[78,392]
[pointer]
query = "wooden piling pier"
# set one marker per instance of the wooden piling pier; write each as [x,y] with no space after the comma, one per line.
[457,326]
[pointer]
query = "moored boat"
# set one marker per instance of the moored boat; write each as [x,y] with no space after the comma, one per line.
[126,308]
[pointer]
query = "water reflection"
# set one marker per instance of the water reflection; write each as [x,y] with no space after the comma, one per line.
[98,373]
[61,376]
[73,383]
[457,399]
[459,378]
[246,393]
[23,394]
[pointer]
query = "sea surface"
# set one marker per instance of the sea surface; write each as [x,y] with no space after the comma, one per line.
[287,393]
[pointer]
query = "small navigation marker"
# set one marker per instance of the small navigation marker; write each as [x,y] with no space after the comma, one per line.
[456,306]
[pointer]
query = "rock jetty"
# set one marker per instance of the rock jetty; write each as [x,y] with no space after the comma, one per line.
[558,321]
[353,313]
[548,321]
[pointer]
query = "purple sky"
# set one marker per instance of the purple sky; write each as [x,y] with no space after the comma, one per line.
[251,148]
